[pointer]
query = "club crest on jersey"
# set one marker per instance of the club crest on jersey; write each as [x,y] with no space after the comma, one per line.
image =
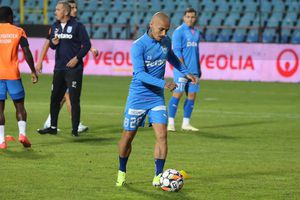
[164,49]
[56,31]
[69,29]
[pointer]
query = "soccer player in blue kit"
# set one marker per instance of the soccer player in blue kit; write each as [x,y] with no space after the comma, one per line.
[146,93]
[185,42]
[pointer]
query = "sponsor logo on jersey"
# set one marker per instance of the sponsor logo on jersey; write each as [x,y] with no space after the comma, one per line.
[64,36]
[155,63]
[157,108]
[135,112]
[191,44]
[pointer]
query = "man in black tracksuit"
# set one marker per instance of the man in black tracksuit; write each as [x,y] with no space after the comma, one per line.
[70,40]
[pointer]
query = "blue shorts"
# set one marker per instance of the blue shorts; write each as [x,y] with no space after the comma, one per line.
[136,117]
[13,87]
[183,85]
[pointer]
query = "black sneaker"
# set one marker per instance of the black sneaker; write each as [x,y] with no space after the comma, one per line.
[52,131]
[75,134]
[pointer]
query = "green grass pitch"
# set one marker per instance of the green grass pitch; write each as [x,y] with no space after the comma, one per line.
[248,146]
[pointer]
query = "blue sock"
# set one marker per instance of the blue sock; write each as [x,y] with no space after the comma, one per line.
[173,104]
[188,108]
[159,166]
[123,163]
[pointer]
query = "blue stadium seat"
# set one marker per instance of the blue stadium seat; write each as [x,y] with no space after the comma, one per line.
[275,19]
[296,37]
[239,35]
[124,17]
[85,17]
[293,6]
[290,19]
[223,6]
[169,6]
[5,2]
[211,35]
[250,6]
[111,17]
[247,19]
[230,21]
[98,17]
[204,18]
[252,36]
[209,6]
[156,5]
[278,6]
[266,6]
[143,4]
[217,19]
[269,35]
[101,32]
[117,5]
[224,35]
[15,4]
[285,35]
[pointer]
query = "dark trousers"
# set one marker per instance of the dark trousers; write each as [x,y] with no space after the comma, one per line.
[70,79]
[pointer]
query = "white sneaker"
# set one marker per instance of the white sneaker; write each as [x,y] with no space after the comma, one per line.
[82,128]
[171,127]
[188,127]
[47,124]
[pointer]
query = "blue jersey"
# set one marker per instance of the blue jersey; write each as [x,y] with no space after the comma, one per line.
[186,46]
[149,62]
[73,41]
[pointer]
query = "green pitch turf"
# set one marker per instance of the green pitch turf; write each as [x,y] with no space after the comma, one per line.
[248,146]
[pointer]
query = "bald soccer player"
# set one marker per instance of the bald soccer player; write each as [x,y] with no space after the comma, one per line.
[149,54]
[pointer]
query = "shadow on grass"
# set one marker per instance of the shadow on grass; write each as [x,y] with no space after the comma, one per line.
[222,177]
[29,154]
[238,124]
[64,139]
[158,194]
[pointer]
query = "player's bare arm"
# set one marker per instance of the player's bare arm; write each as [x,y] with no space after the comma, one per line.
[39,65]
[94,51]
[170,85]
[29,60]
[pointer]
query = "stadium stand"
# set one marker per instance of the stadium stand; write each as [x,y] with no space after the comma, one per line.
[269,21]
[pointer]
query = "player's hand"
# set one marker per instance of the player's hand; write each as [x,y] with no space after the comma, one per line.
[193,78]
[39,67]
[55,40]
[34,77]
[95,52]
[73,62]
[170,86]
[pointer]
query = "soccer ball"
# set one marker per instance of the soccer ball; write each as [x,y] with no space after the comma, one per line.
[171,180]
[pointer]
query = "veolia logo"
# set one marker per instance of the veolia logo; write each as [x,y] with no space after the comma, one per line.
[287,63]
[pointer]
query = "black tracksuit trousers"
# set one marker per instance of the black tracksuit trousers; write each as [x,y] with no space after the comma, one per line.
[70,79]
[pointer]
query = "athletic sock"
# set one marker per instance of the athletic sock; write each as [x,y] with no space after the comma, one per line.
[185,121]
[173,104]
[171,120]
[48,120]
[159,166]
[2,137]
[123,163]
[188,108]
[22,127]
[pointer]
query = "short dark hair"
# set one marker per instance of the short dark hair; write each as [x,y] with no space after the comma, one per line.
[189,10]
[5,14]
[71,1]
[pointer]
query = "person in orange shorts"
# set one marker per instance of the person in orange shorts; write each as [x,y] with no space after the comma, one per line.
[10,81]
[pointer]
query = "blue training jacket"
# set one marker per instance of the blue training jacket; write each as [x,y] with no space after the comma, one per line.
[73,41]
[186,46]
[149,62]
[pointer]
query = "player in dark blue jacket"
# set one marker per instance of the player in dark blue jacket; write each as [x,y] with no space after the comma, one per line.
[71,42]
[146,93]
[185,43]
